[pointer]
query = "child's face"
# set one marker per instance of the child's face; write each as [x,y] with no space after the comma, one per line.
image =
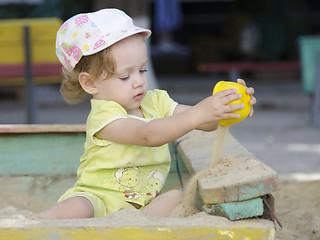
[129,84]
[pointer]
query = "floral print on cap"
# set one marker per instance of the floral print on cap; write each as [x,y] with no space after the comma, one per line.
[89,33]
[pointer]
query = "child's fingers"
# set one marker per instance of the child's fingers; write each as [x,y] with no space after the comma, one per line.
[253,100]
[228,95]
[250,91]
[234,107]
[229,98]
[231,116]
[241,81]
[251,112]
[226,92]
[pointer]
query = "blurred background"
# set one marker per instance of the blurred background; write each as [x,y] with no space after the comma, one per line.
[272,44]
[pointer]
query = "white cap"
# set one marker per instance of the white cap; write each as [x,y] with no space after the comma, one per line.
[89,33]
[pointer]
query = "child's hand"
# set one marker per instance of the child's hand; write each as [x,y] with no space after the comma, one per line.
[249,91]
[216,108]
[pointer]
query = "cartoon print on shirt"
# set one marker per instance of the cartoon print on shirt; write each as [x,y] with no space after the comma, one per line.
[155,181]
[128,178]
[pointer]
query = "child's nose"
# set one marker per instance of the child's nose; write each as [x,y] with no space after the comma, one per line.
[138,81]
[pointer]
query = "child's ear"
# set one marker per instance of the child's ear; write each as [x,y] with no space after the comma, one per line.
[87,83]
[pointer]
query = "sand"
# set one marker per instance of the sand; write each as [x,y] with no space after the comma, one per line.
[297,207]
[218,145]
[188,206]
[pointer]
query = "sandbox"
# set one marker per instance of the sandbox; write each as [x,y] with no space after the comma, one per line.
[29,185]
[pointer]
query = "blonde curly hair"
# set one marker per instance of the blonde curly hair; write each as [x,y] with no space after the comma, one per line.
[95,65]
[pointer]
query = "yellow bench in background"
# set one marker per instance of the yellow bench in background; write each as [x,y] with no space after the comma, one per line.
[28,56]
[45,67]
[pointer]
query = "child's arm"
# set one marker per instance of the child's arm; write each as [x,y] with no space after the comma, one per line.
[164,130]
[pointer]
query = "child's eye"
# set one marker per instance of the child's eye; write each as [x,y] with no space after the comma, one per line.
[143,71]
[124,78]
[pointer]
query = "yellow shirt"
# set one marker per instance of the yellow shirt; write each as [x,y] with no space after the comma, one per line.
[115,171]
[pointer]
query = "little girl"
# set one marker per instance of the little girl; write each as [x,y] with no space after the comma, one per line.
[126,158]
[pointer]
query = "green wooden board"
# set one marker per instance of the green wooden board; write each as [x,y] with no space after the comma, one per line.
[43,153]
[49,154]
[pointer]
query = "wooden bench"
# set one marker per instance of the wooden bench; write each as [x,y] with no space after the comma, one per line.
[234,68]
[28,56]
[42,73]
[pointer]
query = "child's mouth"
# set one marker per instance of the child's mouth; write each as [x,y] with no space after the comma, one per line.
[138,96]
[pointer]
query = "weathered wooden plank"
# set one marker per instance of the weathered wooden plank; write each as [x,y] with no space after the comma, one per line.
[42,149]
[41,128]
[238,182]
[196,149]
[240,177]
[237,210]
[146,233]
[40,153]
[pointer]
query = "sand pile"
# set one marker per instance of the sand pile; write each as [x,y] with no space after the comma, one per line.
[19,211]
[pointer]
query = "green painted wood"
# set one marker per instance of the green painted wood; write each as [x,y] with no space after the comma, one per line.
[42,161]
[237,210]
[47,153]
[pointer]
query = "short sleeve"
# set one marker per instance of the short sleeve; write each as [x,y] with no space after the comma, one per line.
[102,113]
[159,101]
